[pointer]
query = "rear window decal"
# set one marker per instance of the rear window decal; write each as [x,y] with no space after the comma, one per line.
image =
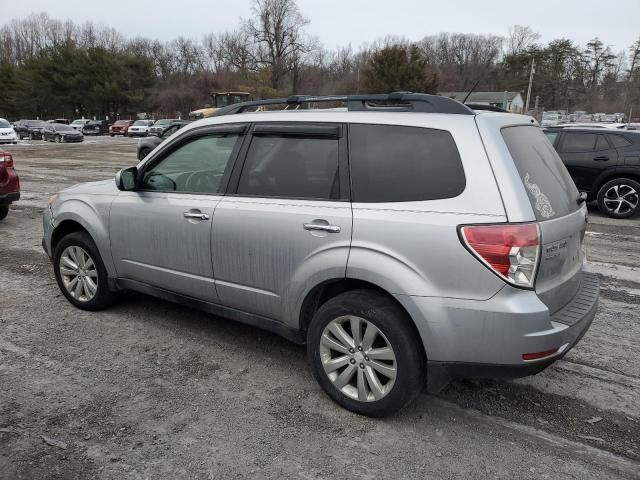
[543,205]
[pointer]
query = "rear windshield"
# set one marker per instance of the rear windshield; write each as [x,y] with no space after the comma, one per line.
[35,123]
[549,186]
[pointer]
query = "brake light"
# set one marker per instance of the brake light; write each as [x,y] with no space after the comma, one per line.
[6,160]
[512,251]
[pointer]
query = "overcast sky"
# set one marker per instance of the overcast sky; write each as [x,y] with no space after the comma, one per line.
[338,22]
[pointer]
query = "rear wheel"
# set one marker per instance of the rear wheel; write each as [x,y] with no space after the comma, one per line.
[619,198]
[30,136]
[4,211]
[80,272]
[366,354]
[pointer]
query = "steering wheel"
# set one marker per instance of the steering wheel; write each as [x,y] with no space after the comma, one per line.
[202,182]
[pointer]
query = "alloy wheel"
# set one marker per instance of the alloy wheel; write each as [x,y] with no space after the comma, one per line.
[358,358]
[621,199]
[78,273]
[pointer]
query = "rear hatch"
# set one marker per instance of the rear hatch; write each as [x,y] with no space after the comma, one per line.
[560,216]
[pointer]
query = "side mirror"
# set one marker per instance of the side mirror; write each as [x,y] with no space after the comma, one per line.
[127,178]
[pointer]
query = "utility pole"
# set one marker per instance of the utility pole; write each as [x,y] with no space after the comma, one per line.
[533,70]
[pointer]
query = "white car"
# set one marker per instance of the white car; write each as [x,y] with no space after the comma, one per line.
[140,128]
[7,133]
[79,124]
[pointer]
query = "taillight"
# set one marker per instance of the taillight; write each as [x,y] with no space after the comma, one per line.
[512,251]
[6,160]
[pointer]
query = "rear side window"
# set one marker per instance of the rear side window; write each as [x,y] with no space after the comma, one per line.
[618,141]
[549,186]
[578,142]
[401,164]
[292,167]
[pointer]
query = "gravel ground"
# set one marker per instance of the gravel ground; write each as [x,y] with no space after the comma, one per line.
[149,389]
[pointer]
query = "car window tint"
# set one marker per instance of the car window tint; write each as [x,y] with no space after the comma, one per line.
[196,167]
[295,167]
[618,141]
[549,186]
[601,143]
[170,131]
[578,142]
[551,136]
[400,164]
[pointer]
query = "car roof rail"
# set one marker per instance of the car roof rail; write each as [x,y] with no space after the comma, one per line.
[392,102]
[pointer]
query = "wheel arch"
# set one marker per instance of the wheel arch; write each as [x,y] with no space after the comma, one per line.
[328,289]
[612,175]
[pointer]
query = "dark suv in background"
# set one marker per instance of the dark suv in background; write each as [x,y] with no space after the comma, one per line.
[31,129]
[604,164]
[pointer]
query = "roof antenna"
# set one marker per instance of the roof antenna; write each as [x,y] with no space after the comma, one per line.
[471,91]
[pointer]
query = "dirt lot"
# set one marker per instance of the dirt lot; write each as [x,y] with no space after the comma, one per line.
[149,389]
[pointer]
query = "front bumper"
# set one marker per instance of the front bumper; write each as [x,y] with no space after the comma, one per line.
[8,138]
[488,338]
[9,198]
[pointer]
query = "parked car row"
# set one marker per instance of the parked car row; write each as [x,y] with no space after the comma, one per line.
[33,129]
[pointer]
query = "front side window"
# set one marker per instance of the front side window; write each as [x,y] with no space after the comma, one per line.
[194,167]
[170,131]
[579,142]
[293,167]
[401,164]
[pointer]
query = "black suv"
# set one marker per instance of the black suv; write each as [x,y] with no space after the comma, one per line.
[604,163]
[30,129]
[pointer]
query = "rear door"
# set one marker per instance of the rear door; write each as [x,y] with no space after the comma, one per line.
[286,221]
[586,155]
[561,218]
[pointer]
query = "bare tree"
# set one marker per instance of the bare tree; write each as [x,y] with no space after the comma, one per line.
[521,38]
[277,27]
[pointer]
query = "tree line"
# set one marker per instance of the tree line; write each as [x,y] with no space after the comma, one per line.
[53,68]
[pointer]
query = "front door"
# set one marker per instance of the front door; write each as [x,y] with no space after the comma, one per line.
[288,221]
[161,233]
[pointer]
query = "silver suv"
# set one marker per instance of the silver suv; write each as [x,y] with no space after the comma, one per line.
[406,238]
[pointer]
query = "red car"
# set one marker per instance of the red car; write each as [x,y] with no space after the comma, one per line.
[120,127]
[9,184]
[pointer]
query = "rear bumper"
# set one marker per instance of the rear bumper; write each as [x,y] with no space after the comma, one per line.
[8,198]
[488,338]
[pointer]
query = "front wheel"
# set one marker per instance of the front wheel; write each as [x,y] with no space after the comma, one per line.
[619,198]
[366,354]
[58,139]
[4,211]
[80,272]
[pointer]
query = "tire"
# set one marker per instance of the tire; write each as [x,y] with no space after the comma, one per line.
[394,330]
[58,139]
[30,136]
[102,296]
[621,194]
[143,153]
[4,211]
[112,135]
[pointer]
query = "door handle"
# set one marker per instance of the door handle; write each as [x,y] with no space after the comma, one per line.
[196,215]
[322,228]
[601,159]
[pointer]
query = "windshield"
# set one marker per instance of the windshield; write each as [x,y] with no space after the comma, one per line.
[121,122]
[141,123]
[60,127]
[164,121]
[35,123]
[4,123]
[224,100]
[78,122]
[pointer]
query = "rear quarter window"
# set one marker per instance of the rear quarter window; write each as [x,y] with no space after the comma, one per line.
[392,163]
[549,186]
